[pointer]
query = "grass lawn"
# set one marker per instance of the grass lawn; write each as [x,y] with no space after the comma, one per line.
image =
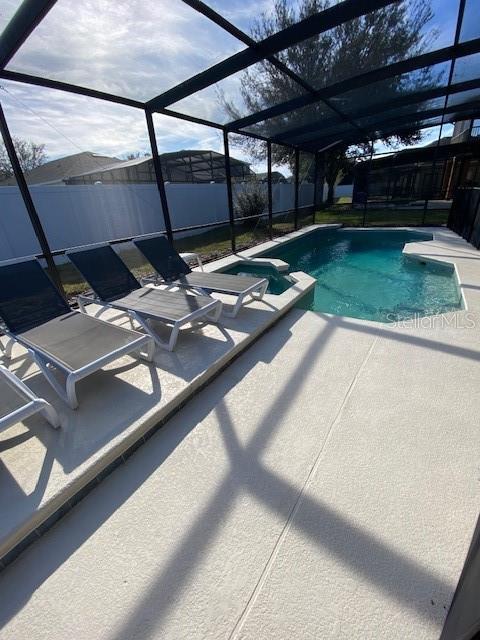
[382,217]
[211,245]
[216,242]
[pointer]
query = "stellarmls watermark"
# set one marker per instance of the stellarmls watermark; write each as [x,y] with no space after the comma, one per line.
[466,320]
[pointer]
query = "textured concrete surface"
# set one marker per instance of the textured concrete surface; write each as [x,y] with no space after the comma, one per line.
[40,469]
[326,485]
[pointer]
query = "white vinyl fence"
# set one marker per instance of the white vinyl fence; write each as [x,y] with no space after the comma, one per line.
[305,194]
[341,190]
[86,214]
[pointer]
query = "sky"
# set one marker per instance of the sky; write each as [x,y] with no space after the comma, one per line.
[138,49]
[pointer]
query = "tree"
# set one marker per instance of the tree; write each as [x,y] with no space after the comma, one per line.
[338,162]
[379,38]
[136,154]
[30,156]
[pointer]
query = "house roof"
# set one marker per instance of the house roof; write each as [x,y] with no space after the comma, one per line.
[56,171]
[200,156]
[428,153]
[87,163]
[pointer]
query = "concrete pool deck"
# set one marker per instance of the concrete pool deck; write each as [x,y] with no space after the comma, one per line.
[43,470]
[325,485]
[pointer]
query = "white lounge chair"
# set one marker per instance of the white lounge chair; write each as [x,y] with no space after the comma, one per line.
[17,402]
[169,265]
[115,287]
[57,338]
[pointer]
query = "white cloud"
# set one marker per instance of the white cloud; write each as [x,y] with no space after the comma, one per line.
[7,9]
[67,124]
[174,134]
[206,103]
[134,48]
[242,13]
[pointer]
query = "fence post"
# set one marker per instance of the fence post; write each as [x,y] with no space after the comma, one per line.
[29,205]
[228,177]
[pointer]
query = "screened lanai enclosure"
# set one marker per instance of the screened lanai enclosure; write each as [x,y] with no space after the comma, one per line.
[344,485]
[274,110]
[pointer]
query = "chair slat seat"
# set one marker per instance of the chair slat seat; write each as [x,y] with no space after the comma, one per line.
[167,306]
[11,397]
[219,282]
[76,340]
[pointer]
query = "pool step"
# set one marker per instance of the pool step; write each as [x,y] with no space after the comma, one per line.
[276,263]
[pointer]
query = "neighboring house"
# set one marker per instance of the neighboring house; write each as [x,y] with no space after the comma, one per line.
[407,174]
[466,130]
[188,165]
[179,166]
[59,170]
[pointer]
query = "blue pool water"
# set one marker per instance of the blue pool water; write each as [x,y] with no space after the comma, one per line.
[363,274]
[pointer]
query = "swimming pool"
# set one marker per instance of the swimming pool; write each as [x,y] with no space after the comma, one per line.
[363,274]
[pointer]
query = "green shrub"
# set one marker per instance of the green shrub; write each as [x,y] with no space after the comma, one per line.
[250,199]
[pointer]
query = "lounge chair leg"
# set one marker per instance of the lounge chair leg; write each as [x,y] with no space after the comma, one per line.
[50,414]
[258,295]
[71,392]
[81,304]
[236,308]
[7,348]
[255,295]
[216,312]
[100,312]
[149,352]
[47,369]
[173,337]
[145,324]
